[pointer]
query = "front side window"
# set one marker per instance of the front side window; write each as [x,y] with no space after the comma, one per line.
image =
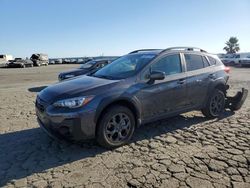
[170,64]
[125,66]
[193,62]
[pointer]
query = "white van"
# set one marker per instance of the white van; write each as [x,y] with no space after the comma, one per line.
[4,59]
[239,57]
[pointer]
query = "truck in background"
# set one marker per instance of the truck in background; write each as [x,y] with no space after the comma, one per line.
[40,59]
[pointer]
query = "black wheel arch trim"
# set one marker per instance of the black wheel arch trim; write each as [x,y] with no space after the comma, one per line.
[217,84]
[131,102]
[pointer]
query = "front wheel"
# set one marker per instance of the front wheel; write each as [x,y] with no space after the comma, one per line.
[215,105]
[115,127]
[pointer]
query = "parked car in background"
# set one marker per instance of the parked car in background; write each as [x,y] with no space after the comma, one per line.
[20,63]
[51,62]
[58,61]
[140,87]
[227,59]
[65,61]
[39,59]
[84,60]
[245,61]
[4,59]
[87,68]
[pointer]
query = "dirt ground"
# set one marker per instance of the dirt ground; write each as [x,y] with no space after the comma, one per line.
[185,151]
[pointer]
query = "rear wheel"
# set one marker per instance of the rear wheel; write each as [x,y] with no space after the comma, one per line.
[215,105]
[115,127]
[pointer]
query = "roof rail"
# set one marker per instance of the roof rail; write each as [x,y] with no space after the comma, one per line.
[143,50]
[184,48]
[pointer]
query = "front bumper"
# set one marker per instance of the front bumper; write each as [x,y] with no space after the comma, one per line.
[235,103]
[71,126]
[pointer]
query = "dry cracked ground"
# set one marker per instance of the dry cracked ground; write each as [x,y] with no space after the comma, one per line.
[185,151]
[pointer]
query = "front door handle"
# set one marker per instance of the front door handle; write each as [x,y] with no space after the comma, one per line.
[181,81]
[212,76]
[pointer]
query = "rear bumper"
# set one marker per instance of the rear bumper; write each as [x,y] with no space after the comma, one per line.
[235,103]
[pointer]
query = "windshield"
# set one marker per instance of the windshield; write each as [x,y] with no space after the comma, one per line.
[87,65]
[125,66]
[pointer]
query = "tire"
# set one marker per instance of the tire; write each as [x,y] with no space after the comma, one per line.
[215,105]
[111,132]
[23,66]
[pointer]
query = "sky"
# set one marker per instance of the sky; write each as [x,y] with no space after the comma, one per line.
[73,28]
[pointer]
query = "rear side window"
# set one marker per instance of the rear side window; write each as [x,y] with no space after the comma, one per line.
[193,62]
[170,64]
[212,60]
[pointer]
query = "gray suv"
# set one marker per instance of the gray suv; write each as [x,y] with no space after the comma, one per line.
[140,87]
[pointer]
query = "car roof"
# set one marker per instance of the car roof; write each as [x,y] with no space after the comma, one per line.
[176,49]
[147,51]
[100,60]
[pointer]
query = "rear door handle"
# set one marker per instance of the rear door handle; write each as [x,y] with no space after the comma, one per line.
[181,81]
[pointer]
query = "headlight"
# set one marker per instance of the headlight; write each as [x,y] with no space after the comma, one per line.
[73,102]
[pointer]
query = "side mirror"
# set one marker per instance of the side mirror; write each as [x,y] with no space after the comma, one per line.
[157,75]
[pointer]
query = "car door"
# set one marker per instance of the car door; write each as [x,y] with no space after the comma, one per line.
[163,97]
[199,75]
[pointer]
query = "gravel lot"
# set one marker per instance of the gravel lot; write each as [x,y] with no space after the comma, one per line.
[185,151]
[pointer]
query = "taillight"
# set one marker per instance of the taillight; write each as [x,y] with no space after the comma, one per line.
[227,69]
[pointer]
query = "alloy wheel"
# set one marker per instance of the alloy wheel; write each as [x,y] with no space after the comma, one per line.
[217,104]
[118,128]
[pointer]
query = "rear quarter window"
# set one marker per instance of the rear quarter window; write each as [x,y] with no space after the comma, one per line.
[212,60]
[205,61]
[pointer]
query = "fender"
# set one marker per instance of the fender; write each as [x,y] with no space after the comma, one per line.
[219,83]
[114,99]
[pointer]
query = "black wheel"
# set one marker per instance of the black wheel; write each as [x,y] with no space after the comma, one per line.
[215,105]
[115,127]
[23,66]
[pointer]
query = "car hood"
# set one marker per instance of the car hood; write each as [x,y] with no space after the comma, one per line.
[73,87]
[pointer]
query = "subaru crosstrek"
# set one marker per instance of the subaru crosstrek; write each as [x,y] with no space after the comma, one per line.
[140,87]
